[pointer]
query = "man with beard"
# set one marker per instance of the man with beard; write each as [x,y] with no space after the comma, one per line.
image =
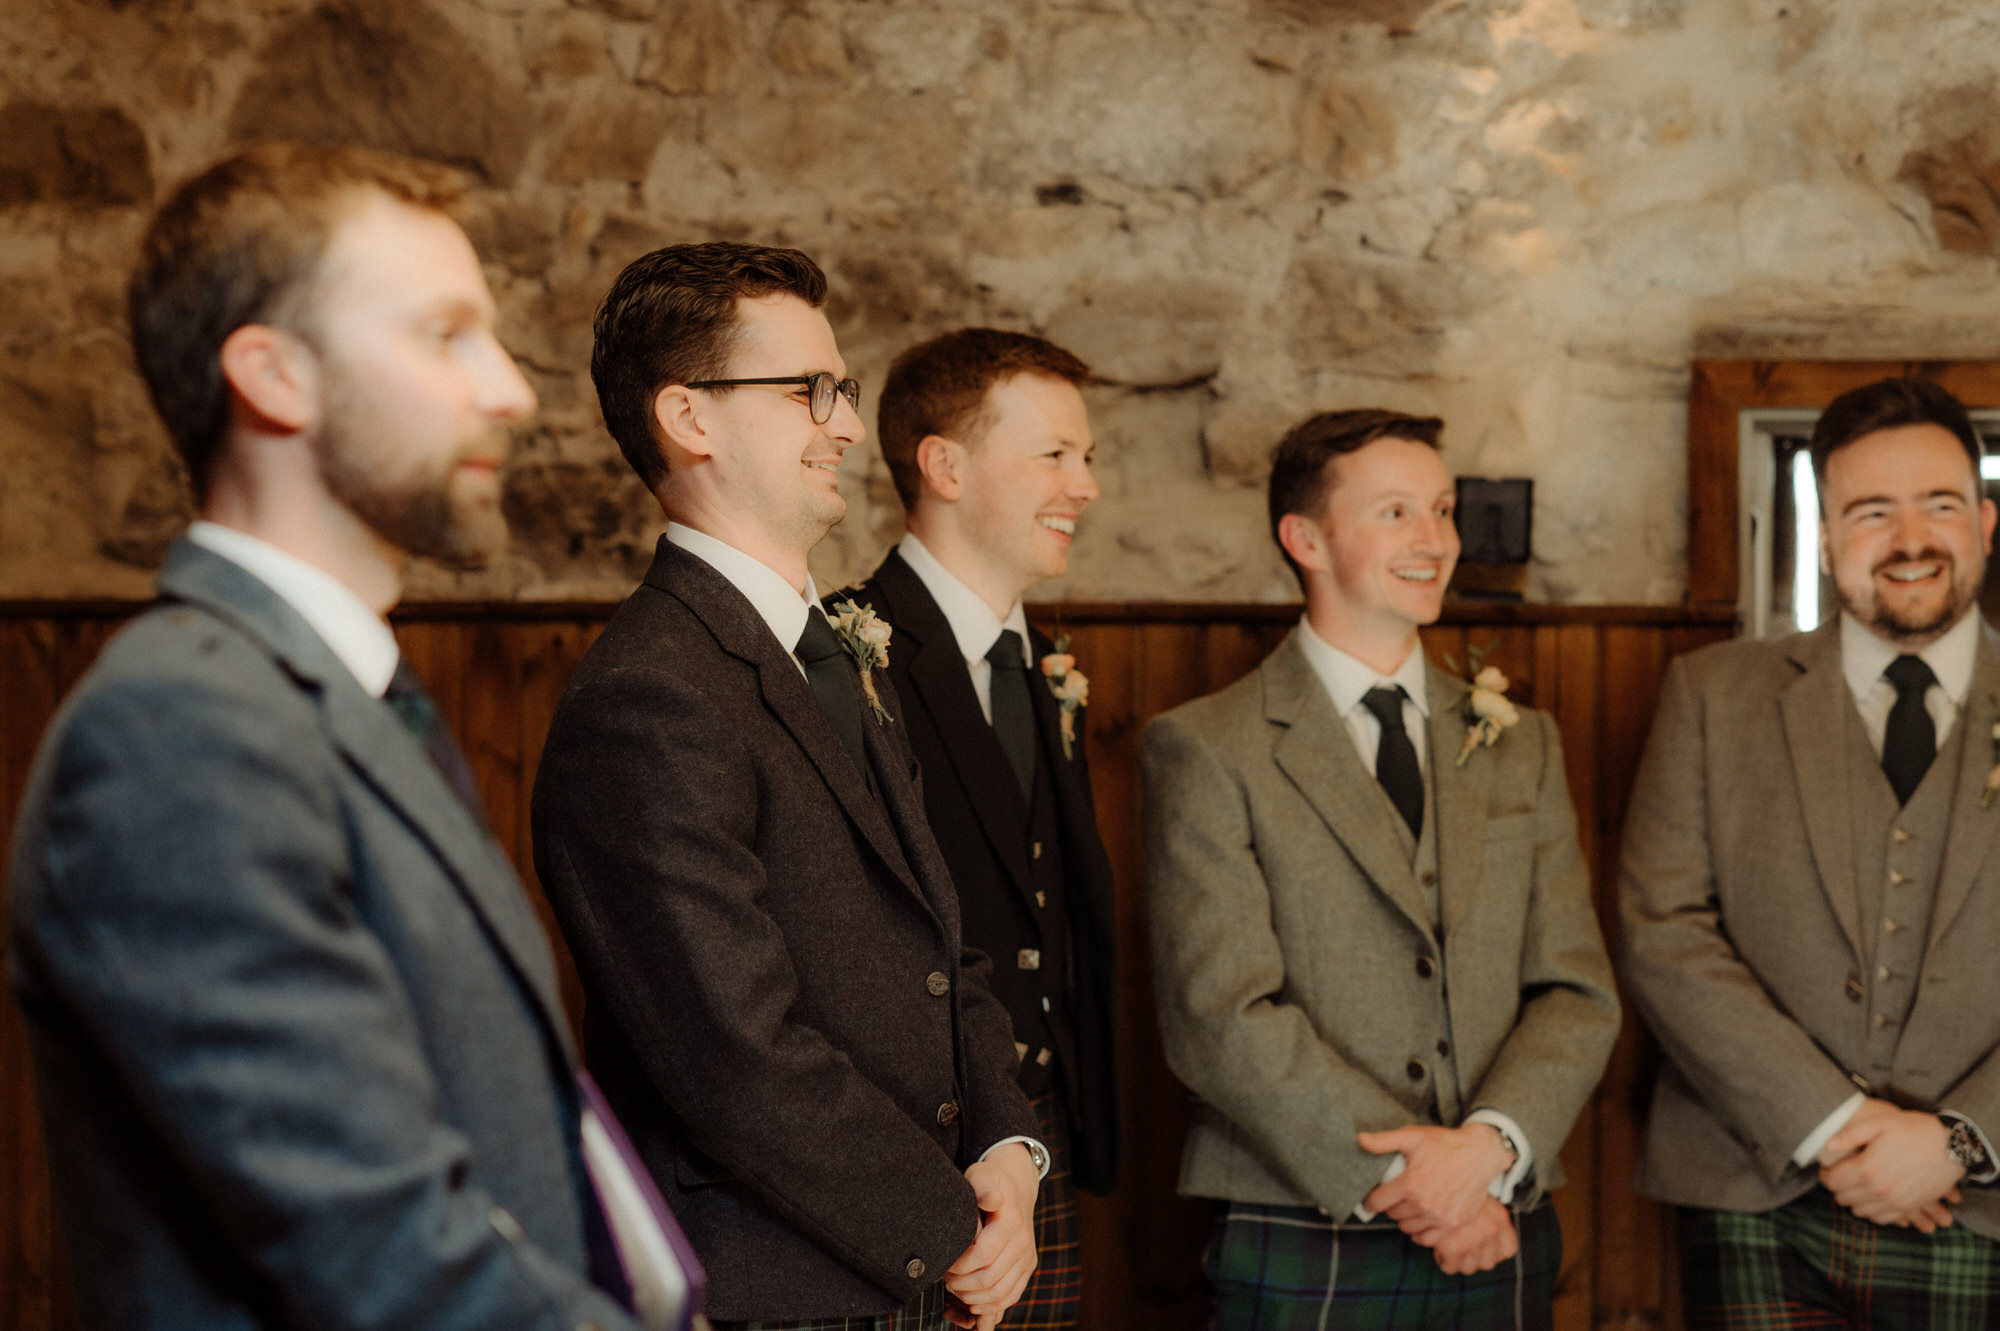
[296,1030]
[1809,905]
[728,824]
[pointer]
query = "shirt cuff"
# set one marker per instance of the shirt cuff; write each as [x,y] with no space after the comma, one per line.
[1993,1161]
[1397,1164]
[1043,1151]
[1809,1149]
[1502,1187]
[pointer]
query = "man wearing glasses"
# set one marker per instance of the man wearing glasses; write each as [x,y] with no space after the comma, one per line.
[728,823]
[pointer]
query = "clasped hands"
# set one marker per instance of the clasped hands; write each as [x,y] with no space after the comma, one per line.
[1441,1199]
[1892,1166]
[989,1276]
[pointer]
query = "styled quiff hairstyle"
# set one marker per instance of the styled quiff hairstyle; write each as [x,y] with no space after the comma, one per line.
[1299,471]
[242,243]
[939,387]
[1885,405]
[671,318]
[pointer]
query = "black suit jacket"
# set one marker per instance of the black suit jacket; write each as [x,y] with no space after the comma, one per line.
[295,1025]
[779,1006]
[976,811]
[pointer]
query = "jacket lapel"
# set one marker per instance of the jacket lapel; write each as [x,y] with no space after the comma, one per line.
[742,632]
[1971,833]
[1463,794]
[1814,711]
[382,750]
[1313,748]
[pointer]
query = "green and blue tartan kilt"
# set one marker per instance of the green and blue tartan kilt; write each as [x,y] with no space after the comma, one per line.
[1814,1263]
[1053,1300]
[925,1313]
[1290,1268]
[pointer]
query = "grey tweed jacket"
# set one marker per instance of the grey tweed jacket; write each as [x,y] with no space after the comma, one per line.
[1294,955]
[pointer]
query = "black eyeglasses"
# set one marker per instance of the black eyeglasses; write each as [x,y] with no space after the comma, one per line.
[823,386]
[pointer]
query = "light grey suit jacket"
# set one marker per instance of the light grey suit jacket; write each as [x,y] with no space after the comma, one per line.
[1742,926]
[295,1026]
[1288,928]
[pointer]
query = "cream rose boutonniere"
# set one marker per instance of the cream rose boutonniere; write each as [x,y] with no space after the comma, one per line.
[1487,712]
[1071,687]
[865,636]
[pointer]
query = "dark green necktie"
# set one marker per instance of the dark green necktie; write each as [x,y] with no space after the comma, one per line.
[1396,758]
[833,683]
[1909,741]
[414,707]
[1013,709]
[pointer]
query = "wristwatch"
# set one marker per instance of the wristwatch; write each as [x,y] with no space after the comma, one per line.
[1965,1146]
[1040,1155]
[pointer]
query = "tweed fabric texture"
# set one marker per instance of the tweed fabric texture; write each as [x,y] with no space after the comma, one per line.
[1814,1263]
[923,1313]
[1290,1268]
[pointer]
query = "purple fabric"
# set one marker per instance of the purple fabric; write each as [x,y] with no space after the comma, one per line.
[642,1178]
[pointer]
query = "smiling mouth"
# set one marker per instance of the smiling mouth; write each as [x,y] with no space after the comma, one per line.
[828,465]
[1913,573]
[1416,574]
[1063,526]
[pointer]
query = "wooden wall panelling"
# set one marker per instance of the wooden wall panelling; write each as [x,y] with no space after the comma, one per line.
[498,672]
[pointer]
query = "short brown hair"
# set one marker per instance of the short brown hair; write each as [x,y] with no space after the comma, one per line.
[1299,463]
[670,318]
[240,244]
[940,386]
[1885,405]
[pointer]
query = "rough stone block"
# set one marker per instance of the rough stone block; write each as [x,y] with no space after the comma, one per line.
[79,156]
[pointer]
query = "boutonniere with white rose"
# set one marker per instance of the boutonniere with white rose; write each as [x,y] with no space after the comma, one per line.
[864,635]
[1487,712]
[1071,687]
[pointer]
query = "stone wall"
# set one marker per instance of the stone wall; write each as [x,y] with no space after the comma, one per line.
[1525,215]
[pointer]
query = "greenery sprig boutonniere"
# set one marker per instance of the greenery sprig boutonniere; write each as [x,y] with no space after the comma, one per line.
[1992,790]
[864,635]
[1071,687]
[1487,710]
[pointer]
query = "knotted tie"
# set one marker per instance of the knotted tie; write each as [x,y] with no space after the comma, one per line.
[1909,742]
[833,683]
[413,706]
[1396,758]
[1013,709]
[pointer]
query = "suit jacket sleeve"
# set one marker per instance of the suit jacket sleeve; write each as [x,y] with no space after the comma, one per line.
[1546,1069]
[649,809]
[1219,973]
[193,924]
[1751,1063]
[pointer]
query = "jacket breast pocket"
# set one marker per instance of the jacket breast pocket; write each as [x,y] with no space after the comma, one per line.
[1511,827]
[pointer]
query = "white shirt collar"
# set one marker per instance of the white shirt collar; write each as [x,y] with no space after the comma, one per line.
[777,602]
[1347,679]
[1864,656]
[972,621]
[353,632]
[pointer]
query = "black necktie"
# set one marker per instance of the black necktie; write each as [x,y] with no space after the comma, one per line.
[834,684]
[1910,740]
[414,707]
[1013,709]
[1396,758]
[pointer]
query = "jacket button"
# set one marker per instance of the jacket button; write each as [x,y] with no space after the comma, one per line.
[947,1113]
[1029,959]
[915,1270]
[1415,1069]
[1424,967]
[1430,879]
[938,983]
[1444,1048]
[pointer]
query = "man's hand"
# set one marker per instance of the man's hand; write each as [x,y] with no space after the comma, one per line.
[1447,1174]
[1892,1166]
[1480,1245]
[989,1276]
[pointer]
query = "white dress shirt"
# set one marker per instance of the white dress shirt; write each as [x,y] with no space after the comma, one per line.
[1863,658]
[972,621]
[1347,681]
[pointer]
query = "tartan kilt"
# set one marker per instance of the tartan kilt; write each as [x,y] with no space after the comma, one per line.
[1290,1268]
[1814,1263]
[1053,1300]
